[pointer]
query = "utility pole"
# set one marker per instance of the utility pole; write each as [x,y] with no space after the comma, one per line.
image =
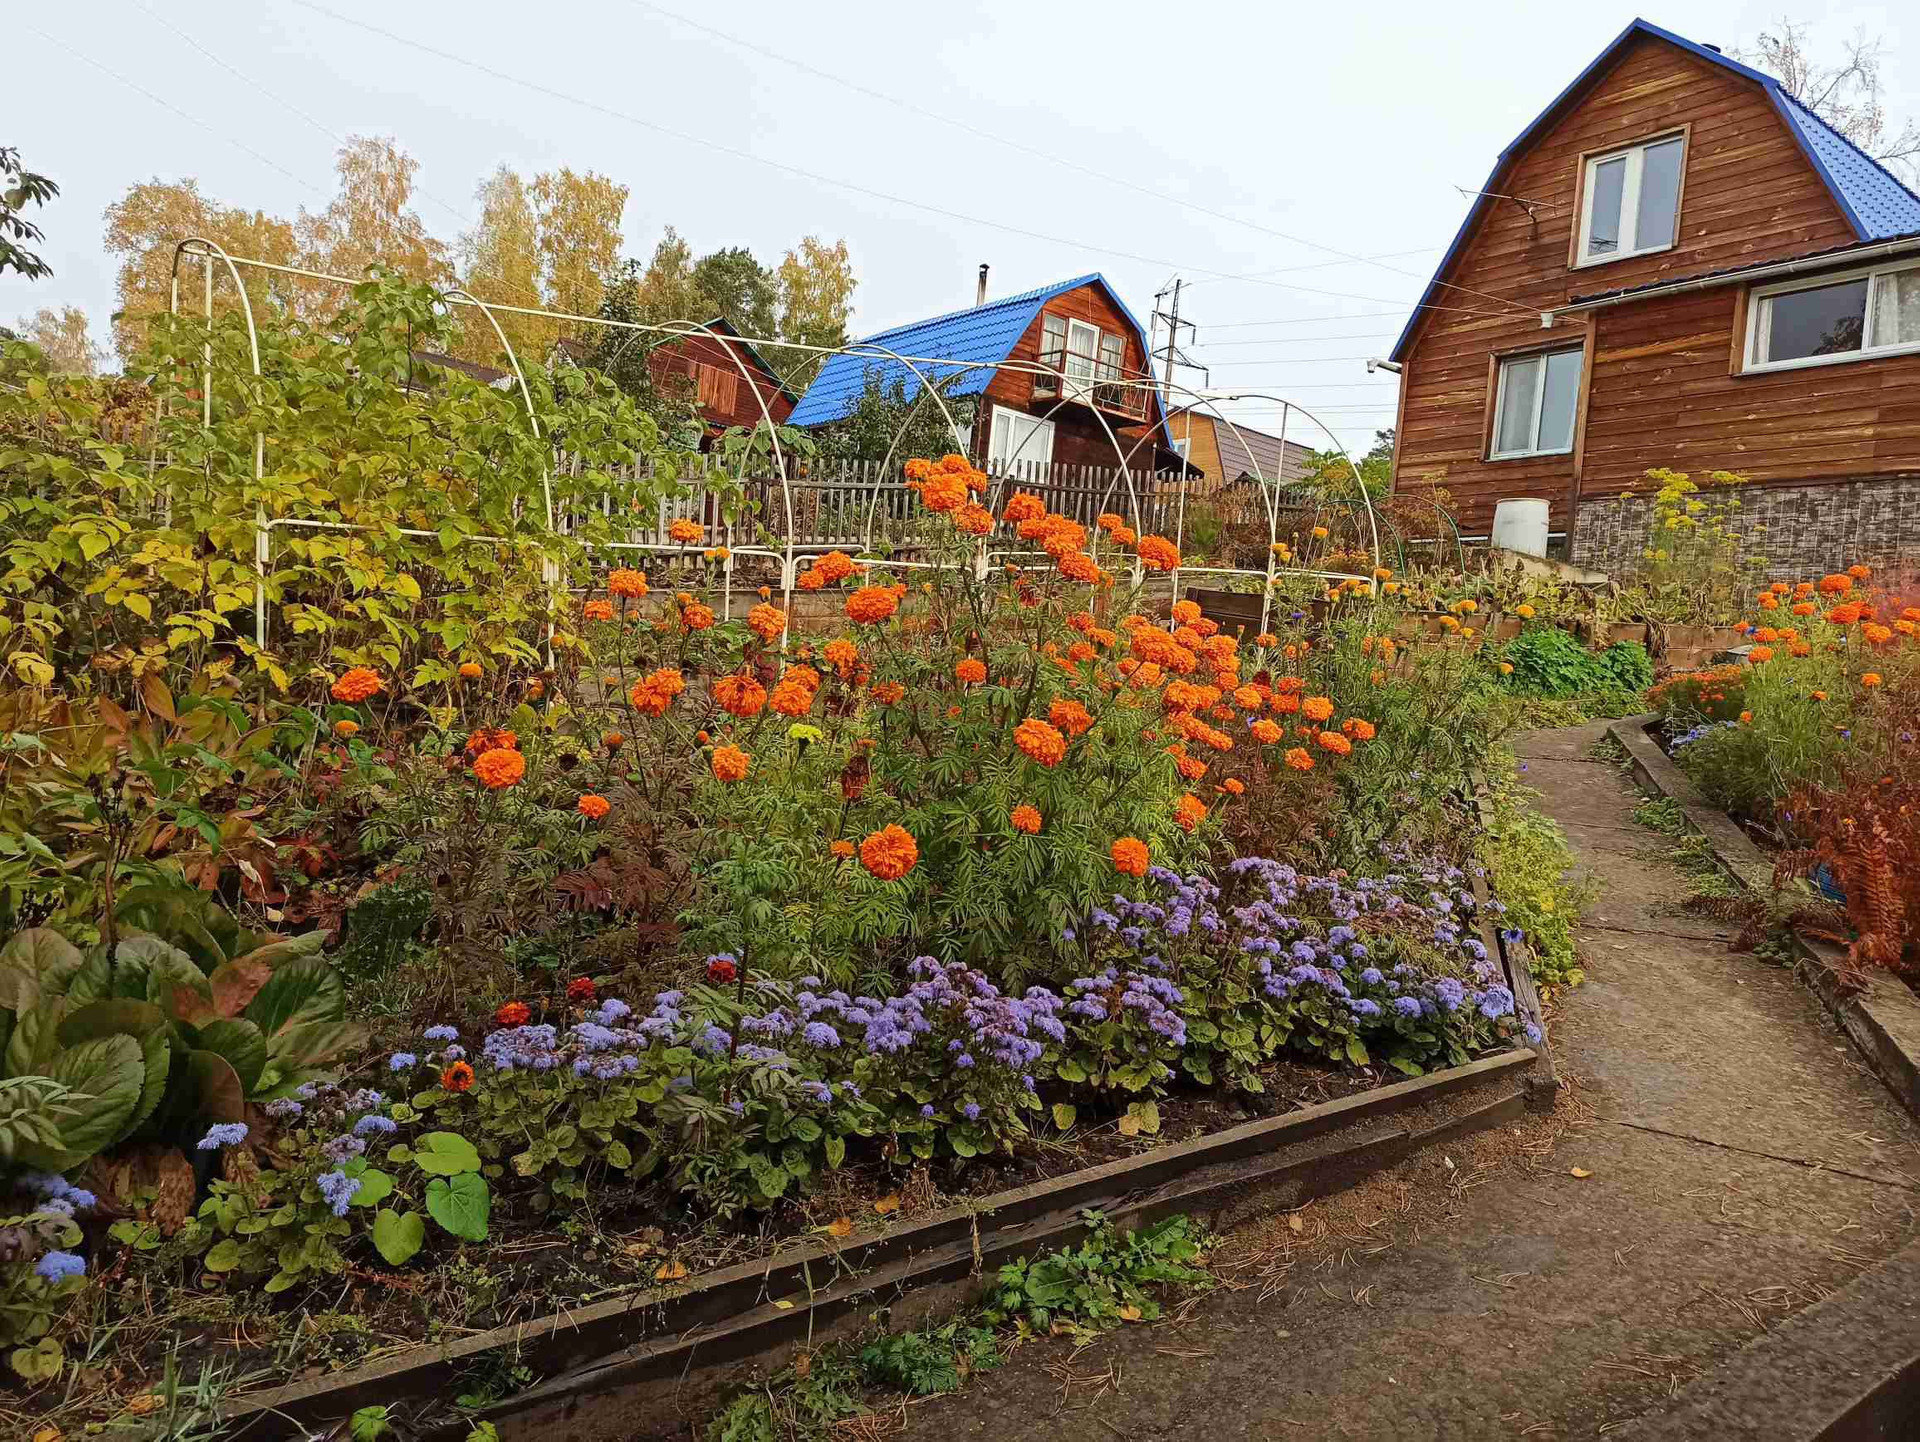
[1171,315]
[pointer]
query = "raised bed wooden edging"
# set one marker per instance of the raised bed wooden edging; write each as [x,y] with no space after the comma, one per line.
[1884,1019]
[652,1341]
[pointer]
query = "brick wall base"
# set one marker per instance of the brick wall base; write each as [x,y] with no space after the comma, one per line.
[1801,530]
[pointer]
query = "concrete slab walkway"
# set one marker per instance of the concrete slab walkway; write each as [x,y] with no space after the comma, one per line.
[1737,1163]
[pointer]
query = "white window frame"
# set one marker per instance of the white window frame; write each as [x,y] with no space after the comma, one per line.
[1636,158]
[1079,384]
[1002,425]
[1501,365]
[1760,317]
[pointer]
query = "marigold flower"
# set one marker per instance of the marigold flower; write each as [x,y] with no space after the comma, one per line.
[514,1013]
[1746,718]
[1247,698]
[972,671]
[1859,572]
[685,532]
[888,693]
[695,616]
[973,518]
[1298,758]
[1022,507]
[1836,585]
[582,989]
[870,605]
[1026,818]
[1069,715]
[1336,743]
[1872,678]
[457,1078]
[1233,786]
[841,654]
[1266,732]
[1078,566]
[1041,741]
[1804,608]
[1266,639]
[653,694]
[767,622]
[1130,856]
[1189,811]
[1760,653]
[500,768]
[791,698]
[613,740]
[1359,728]
[357,685]
[1876,634]
[1316,708]
[345,728]
[598,609]
[483,738]
[943,492]
[627,583]
[593,807]
[1157,553]
[889,853]
[730,763]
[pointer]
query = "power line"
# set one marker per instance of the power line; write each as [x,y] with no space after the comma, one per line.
[814,177]
[1135,186]
[1317,319]
[1295,340]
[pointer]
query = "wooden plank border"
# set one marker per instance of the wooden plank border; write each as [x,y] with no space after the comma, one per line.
[1883,1020]
[663,1327]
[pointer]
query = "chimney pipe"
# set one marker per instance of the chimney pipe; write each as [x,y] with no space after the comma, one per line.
[980,292]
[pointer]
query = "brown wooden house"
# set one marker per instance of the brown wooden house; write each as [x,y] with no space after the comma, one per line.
[1223,453]
[997,353]
[1676,265]
[721,376]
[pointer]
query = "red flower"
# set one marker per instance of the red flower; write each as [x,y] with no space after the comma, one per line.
[457,1078]
[514,1013]
[721,970]
[581,989]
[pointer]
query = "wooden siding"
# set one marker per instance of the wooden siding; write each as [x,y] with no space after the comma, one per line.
[1203,448]
[1749,195]
[703,369]
[1079,439]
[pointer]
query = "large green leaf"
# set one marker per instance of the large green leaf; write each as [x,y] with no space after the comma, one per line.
[283,949]
[236,983]
[461,1204]
[304,990]
[127,975]
[445,1154]
[19,987]
[31,1047]
[218,1095]
[398,1235]
[103,1077]
[44,954]
[198,924]
[306,1044]
[240,1042]
[146,1024]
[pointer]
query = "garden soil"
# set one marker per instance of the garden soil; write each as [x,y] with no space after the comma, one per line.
[1720,1159]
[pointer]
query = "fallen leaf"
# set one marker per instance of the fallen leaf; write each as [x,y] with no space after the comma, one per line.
[144,1403]
[48,1434]
[1295,1224]
[670,1272]
[839,1227]
[783,1304]
[889,1203]
[802,1367]
[1129,1313]
[637,1250]
[1578,1172]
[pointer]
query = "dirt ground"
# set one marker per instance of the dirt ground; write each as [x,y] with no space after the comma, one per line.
[1720,1159]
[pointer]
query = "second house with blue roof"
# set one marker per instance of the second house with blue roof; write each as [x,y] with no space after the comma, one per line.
[1058,376]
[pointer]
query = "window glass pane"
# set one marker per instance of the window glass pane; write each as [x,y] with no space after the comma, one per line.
[1053,337]
[1519,388]
[1659,195]
[1896,308]
[1559,401]
[1827,320]
[1608,180]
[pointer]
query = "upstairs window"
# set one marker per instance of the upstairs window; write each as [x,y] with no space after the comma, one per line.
[1852,316]
[1630,201]
[1534,405]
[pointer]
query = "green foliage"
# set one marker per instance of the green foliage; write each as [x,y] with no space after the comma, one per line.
[1530,869]
[29,1303]
[1102,1282]
[19,188]
[885,421]
[923,1364]
[1549,661]
[1696,566]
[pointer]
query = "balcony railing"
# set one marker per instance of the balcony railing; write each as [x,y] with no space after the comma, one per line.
[1095,382]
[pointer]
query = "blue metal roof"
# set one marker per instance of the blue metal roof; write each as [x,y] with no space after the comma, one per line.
[1876,205]
[973,342]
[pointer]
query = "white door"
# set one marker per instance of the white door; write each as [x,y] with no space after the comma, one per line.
[1018,440]
[1083,353]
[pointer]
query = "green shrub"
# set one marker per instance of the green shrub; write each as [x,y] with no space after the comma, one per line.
[1529,867]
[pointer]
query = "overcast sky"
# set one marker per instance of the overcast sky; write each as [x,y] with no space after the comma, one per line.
[1310,126]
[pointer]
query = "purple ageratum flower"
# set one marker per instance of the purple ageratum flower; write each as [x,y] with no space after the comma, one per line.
[1496,1002]
[819,1091]
[375,1125]
[1407,1006]
[926,1110]
[1449,994]
[402,1060]
[223,1134]
[59,1206]
[1372,976]
[818,1033]
[441,1033]
[343,1149]
[455,1053]
[337,1190]
[1361,1006]
[963,1061]
[58,1266]
[971,1111]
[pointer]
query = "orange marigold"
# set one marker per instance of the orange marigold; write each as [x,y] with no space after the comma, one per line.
[972,671]
[628,583]
[695,616]
[1804,608]
[841,654]
[1859,572]
[613,740]
[1760,653]
[1248,699]
[1877,634]
[1233,786]
[1189,811]
[919,468]
[791,698]
[1069,715]
[730,763]
[890,852]
[357,684]
[1336,743]
[344,728]
[513,1013]
[1022,506]
[1079,566]
[871,605]
[1316,708]
[653,694]
[888,693]
[1157,553]
[1298,759]
[942,493]
[1359,728]
[483,738]
[685,532]
[598,609]
[470,670]
[1836,585]
[767,622]
[593,807]
[1267,732]
[1130,856]
[499,768]
[1026,818]
[1872,678]
[973,518]
[457,1078]
[1266,638]
[740,696]
[841,848]
[1041,741]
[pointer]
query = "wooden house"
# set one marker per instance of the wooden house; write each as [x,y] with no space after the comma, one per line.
[1222,453]
[999,353]
[1676,264]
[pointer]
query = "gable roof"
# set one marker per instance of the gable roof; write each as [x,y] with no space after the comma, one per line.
[975,341]
[1243,449]
[1875,204]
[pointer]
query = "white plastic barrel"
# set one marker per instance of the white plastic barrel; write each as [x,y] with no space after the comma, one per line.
[1521,525]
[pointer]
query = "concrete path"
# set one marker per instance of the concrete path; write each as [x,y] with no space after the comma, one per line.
[1740,1163]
